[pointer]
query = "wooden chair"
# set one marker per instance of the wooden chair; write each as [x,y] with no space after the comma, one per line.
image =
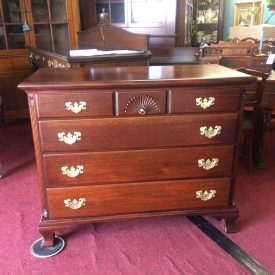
[253,116]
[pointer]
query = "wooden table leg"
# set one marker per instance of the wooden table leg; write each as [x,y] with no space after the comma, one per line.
[260,142]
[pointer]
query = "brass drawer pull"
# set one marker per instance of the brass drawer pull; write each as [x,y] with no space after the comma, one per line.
[75,204]
[75,107]
[205,196]
[70,138]
[72,172]
[208,164]
[141,111]
[205,103]
[210,132]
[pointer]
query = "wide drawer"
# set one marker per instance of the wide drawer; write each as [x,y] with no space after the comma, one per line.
[75,104]
[137,132]
[140,165]
[137,197]
[218,99]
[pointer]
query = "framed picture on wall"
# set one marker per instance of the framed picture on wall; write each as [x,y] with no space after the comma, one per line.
[248,13]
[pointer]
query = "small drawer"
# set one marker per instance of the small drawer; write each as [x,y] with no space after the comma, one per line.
[75,104]
[218,99]
[140,102]
[137,198]
[137,132]
[139,165]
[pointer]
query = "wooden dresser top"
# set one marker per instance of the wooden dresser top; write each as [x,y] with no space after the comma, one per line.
[139,76]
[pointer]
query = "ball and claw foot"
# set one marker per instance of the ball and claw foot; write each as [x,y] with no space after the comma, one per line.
[37,250]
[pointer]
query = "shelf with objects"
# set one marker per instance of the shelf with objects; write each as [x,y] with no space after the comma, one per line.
[208,21]
[199,21]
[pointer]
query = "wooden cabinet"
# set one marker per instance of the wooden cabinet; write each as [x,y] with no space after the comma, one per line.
[14,63]
[128,142]
[14,67]
[53,24]
[185,23]
[200,21]
[11,21]
[114,39]
[49,25]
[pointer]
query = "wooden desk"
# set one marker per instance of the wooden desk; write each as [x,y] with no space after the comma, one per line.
[103,37]
[41,58]
[129,142]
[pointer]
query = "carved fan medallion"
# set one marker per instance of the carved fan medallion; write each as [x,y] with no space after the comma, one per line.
[141,104]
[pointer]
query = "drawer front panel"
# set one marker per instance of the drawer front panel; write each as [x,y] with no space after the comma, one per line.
[141,102]
[142,165]
[143,132]
[75,104]
[136,198]
[205,100]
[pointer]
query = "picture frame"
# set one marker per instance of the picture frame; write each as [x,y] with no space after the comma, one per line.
[243,13]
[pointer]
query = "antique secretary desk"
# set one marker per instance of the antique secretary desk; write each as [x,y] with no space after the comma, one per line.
[128,142]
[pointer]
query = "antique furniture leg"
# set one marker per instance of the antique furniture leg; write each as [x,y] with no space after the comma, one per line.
[260,143]
[228,218]
[49,245]
[230,223]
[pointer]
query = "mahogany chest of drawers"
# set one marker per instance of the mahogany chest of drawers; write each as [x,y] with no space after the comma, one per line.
[129,142]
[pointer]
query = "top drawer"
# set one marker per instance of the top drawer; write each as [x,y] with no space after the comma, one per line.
[140,102]
[75,104]
[218,99]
